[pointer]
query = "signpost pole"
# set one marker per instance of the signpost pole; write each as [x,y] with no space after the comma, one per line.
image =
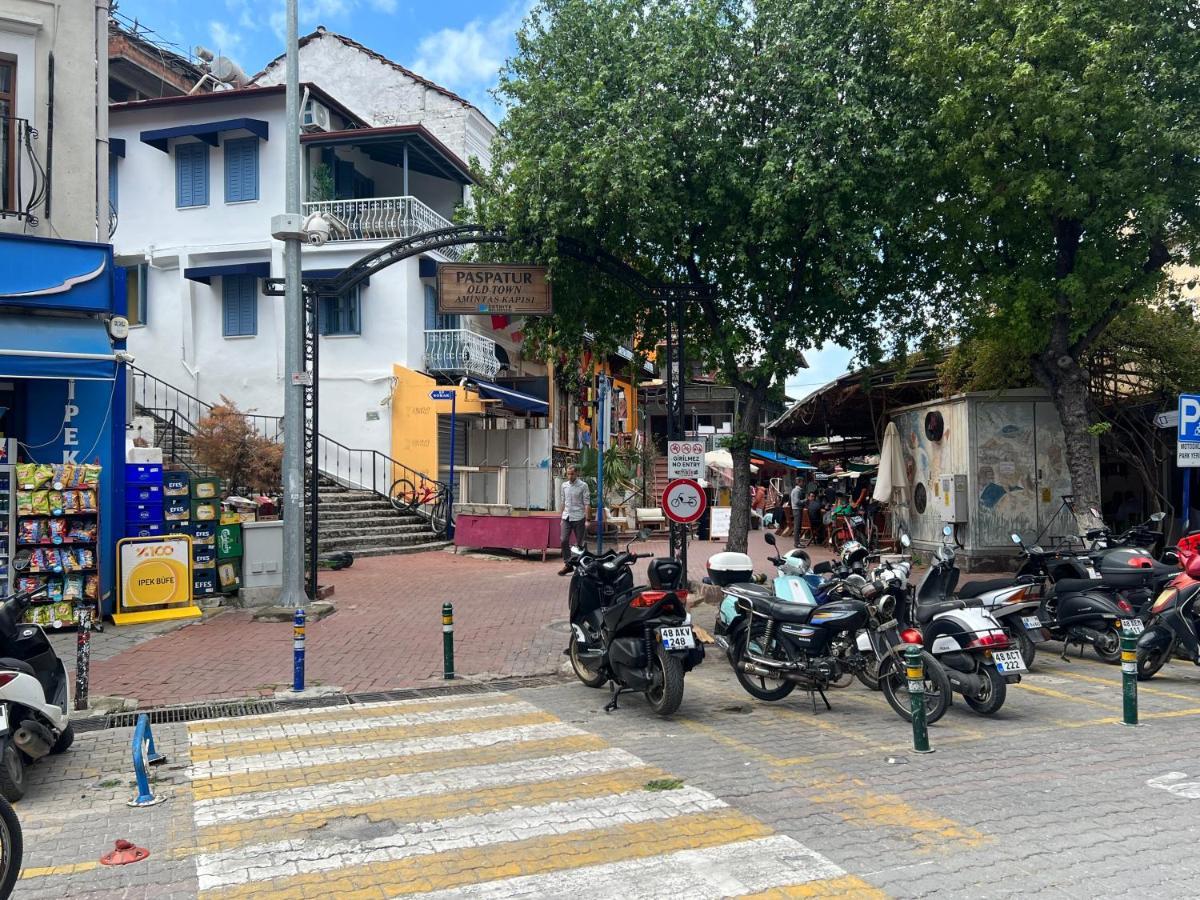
[601,416]
[1187,500]
[450,486]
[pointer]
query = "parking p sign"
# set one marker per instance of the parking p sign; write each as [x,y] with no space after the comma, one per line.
[1187,450]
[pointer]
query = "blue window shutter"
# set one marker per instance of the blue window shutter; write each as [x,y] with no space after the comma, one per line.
[112,183]
[191,174]
[241,169]
[430,308]
[239,299]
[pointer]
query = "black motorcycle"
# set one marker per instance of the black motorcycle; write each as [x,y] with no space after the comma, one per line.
[637,638]
[1173,624]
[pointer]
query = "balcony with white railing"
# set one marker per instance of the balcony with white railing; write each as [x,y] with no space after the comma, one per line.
[457,351]
[380,219]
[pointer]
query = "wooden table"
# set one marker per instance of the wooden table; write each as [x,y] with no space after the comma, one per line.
[509,532]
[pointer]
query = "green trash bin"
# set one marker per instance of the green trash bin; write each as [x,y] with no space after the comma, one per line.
[229,541]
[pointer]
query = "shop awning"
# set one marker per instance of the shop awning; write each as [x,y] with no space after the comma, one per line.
[209,132]
[514,400]
[783,459]
[55,347]
[205,274]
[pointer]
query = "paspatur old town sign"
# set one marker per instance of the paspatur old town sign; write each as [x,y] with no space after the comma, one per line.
[499,289]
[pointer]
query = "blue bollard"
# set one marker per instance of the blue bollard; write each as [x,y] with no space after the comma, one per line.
[144,755]
[298,651]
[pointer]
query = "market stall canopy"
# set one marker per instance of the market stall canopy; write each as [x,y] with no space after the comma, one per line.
[55,347]
[891,467]
[783,459]
[511,399]
[723,459]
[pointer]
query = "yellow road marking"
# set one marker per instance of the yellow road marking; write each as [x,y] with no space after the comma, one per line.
[845,886]
[1115,683]
[251,782]
[367,736]
[471,865]
[428,808]
[352,713]
[1060,695]
[857,802]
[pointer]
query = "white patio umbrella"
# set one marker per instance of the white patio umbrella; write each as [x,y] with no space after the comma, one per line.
[891,475]
[723,459]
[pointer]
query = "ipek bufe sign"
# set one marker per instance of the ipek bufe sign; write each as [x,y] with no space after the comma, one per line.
[496,289]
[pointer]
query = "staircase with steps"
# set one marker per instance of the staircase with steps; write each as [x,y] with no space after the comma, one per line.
[368,525]
[660,479]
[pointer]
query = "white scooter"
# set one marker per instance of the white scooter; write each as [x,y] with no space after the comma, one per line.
[35,702]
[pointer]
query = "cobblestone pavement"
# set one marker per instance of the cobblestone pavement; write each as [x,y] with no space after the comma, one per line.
[510,619]
[539,793]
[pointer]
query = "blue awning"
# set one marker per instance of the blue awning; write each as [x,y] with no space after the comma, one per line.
[309,274]
[55,347]
[514,400]
[209,132]
[783,459]
[205,274]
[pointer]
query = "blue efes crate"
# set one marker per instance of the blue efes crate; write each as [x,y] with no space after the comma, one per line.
[143,512]
[177,483]
[143,493]
[143,473]
[204,581]
[144,529]
[177,509]
[203,532]
[203,557]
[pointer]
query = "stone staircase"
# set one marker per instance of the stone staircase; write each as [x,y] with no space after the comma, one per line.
[367,525]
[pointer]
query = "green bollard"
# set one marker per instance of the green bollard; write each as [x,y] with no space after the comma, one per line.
[1129,676]
[447,641]
[916,694]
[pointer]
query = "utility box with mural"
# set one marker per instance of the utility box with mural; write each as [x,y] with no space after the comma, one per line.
[991,464]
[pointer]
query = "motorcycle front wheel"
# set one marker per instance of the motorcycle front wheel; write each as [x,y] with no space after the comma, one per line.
[1150,660]
[870,675]
[666,694]
[894,681]
[586,669]
[1108,648]
[993,694]
[11,848]
[754,685]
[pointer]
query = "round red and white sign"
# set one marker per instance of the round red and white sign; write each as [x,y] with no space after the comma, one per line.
[684,501]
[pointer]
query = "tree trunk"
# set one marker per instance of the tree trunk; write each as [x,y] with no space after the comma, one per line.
[745,430]
[1066,381]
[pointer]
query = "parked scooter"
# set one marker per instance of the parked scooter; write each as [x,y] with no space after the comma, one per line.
[965,638]
[35,718]
[1173,625]
[1014,604]
[1080,610]
[638,638]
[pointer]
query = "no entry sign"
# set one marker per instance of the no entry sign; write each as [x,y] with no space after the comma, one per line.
[685,459]
[684,501]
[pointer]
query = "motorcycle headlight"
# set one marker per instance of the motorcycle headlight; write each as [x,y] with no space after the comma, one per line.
[886,605]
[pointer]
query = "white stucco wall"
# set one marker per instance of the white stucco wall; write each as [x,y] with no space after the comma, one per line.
[30,30]
[383,95]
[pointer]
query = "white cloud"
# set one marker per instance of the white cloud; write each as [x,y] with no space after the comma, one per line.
[469,59]
[226,41]
[384,6]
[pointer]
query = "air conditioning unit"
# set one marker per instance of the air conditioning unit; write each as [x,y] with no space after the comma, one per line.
[315,117]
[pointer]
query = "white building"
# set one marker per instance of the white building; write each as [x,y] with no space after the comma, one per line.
[201,177]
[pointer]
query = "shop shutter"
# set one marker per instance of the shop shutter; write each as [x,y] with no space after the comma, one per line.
[460,444]
[191,175]
[241,169]
[239,299]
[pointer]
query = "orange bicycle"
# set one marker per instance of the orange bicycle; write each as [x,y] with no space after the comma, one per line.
[424,498]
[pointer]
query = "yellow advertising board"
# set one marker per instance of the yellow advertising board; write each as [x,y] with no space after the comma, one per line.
[154,579]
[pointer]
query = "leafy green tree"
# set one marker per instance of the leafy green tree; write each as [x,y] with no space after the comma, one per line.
[720,142]
[1056,145]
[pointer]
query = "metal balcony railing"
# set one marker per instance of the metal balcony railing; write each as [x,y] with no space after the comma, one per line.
[461,352]
[22,176]
[380,219]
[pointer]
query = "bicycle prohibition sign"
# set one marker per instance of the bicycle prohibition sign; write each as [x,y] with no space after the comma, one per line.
[684,501]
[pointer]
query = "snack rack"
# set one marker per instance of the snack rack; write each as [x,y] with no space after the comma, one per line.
[8,515]
[56,518]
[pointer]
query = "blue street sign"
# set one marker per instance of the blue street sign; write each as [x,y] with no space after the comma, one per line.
[441,395]
[1187,447]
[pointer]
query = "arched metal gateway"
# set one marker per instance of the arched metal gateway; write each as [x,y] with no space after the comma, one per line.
[674,296]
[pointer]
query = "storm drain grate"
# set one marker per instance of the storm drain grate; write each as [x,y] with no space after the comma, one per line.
[196,712]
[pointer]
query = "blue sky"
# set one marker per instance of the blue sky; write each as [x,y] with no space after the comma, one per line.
[460,44]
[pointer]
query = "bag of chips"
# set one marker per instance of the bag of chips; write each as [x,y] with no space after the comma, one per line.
[86,501]
[82,530]
[27,583]
[82,558]
[73,589]
[64,476]
[57,501]
[54,592]
[31,531]
[87,476]
[91,587]
[24,503]
[41,503]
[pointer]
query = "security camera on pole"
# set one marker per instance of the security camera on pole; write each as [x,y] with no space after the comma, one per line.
[290,229]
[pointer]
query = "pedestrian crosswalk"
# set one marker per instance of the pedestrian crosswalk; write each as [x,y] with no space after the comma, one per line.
[481,796]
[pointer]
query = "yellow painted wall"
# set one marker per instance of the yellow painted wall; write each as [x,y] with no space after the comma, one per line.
[414,418]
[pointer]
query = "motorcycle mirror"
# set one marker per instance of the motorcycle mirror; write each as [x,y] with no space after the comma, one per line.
[769,538]
[643,534]
[1158,517]
[1016,538]
[947,530]
[822,568]
[905,540]
[21,560]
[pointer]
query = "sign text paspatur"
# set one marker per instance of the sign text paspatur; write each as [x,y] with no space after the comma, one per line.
[496,289]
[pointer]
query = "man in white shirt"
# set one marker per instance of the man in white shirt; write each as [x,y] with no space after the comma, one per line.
[575,498]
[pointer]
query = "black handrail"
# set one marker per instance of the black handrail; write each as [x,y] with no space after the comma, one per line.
[153,393]
[371,470]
